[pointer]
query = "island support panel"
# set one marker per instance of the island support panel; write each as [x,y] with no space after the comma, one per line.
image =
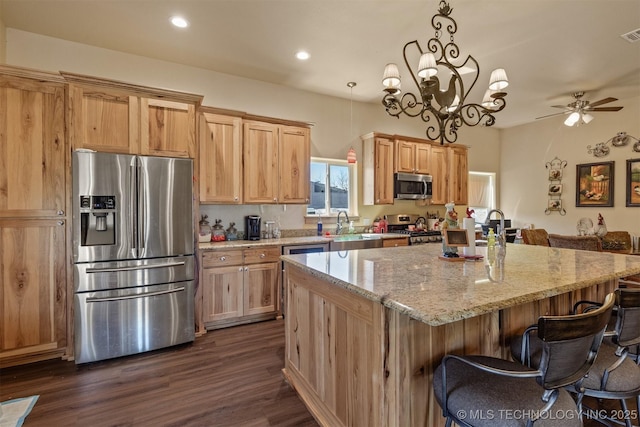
[355,362]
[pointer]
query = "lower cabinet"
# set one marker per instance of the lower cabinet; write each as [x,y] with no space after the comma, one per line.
[392,243]
[240,286]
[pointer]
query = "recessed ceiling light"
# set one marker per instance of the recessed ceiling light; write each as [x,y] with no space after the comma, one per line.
[179,22]
[302,55]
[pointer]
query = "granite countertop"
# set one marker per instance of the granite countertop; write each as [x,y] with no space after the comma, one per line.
[413,280]
[285,241]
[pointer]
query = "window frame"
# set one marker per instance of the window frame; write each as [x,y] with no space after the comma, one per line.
[352,191]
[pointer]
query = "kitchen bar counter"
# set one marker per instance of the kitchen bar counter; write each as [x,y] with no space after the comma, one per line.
[366,329]
[413,281]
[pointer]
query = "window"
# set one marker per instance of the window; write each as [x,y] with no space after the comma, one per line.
[333,187]
[482,194]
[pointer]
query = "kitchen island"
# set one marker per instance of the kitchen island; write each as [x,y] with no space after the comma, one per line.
[366,329]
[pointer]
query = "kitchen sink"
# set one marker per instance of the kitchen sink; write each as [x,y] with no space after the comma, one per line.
[345,242]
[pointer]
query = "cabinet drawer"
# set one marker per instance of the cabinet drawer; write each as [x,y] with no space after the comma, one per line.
[221,258]
[264,254]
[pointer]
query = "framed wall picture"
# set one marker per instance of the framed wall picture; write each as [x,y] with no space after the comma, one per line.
[555,205]
[633,183]
[555,174]
[594,184]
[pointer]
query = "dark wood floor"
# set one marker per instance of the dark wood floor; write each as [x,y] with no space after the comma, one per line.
[228,377]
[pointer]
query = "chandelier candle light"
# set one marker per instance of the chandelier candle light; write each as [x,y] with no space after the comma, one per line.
[444,110]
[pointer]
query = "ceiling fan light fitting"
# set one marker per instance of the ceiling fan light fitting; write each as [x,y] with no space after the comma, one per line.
[572,119]
[586,118]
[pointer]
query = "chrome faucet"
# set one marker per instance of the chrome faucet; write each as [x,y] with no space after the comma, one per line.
[339,223]
[502,236]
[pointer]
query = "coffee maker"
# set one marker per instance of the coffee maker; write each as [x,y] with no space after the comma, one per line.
[252,227]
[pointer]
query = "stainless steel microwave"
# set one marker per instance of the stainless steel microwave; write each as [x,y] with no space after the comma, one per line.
[411,186]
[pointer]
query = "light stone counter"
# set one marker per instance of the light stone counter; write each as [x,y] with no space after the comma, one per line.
[286,241]
[413,281]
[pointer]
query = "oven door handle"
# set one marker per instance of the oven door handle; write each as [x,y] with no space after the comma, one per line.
[133,268]
[145,295]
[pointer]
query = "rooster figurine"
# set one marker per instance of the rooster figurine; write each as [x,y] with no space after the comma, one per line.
[600,229]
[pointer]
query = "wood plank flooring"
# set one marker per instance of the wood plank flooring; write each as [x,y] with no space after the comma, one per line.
[228,377]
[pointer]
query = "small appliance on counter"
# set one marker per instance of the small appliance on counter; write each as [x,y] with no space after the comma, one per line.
[252,227]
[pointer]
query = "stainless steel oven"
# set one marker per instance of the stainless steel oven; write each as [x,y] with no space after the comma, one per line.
[295,250]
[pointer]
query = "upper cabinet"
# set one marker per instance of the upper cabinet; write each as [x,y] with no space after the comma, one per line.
[450,170]
[412,157]
[377,169]
[220,140]
[111,116]
[294,164]
[276,163]
[32,144]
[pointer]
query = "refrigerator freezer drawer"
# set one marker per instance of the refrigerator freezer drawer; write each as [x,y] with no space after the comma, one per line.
[121,322]
[100,276]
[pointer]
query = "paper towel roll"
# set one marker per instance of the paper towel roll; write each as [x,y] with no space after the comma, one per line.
[469,224]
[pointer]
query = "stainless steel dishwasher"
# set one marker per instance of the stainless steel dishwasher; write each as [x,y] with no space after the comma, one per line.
[295,250]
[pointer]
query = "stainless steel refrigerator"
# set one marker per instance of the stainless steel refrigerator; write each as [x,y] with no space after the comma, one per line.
[133,253]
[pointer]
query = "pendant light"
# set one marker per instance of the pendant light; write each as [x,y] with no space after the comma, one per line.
[351,154]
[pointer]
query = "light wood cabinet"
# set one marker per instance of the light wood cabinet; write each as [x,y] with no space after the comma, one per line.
[276,163]
[111,116]
[377,169]
[412,157]
[440,172]
[240,286]
[394,242]
[220,140]
[459,175]
[33,216]
[450,171]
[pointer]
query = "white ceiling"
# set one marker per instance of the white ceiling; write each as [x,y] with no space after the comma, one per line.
[550,48]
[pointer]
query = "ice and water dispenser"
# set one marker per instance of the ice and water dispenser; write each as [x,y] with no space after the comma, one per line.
[97,218]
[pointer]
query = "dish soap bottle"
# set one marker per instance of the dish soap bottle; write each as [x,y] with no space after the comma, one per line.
[319,231]
[491,238]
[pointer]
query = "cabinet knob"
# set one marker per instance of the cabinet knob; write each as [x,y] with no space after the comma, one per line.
[262,255]
[246,269]
[223,258]
[235,198]
[60,222]
[275,199]
[60,213]
[240,269]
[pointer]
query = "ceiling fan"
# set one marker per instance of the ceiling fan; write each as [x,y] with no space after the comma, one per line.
[579,109]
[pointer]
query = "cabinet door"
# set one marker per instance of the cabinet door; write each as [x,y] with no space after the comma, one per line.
[383,172]
[103,121]
[260,149]
[32,288]
[459,175]
[423,158]
[294,163]
[405,157]
[392,243]
[439,171]
[222,293]
[167,128]
[220,159]
[260,282]
[32,148]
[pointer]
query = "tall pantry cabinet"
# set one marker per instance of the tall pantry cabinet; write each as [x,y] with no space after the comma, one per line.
[33,216]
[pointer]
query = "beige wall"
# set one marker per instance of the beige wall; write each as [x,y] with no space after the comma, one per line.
[330,115]
[524,178]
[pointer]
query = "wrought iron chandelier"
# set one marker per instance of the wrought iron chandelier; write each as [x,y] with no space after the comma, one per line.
[444,110]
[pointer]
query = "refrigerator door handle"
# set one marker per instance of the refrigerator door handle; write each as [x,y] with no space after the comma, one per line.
[142,207]
[136,296]
[133,208]
[133,268]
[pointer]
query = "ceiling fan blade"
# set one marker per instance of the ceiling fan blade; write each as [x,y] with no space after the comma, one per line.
[602,101]
[605,109]
[560,106]
[551,115]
